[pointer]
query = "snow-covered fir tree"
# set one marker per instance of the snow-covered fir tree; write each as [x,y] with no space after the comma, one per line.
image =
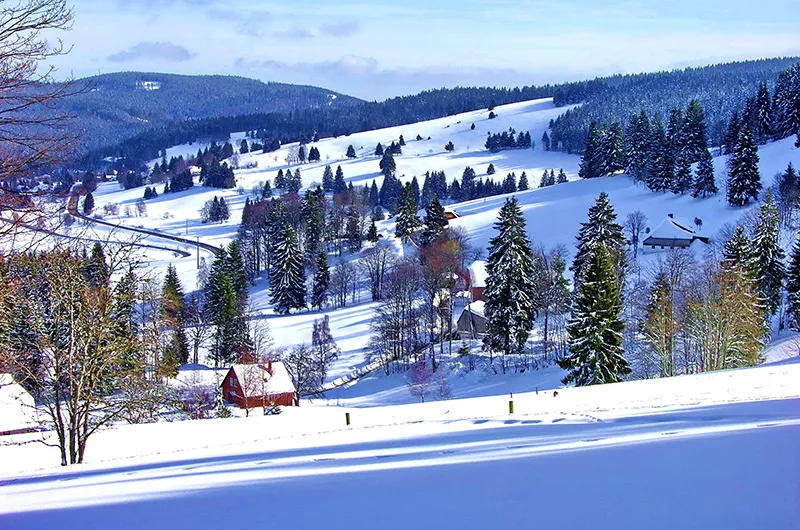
[744,180]
[510,284]
[327,179]
[321,281]
[601,229]
[435,221]
[793,287]
[704,183]
[596,325]
[768,255]
[408,221]
[288,278]
[683,175]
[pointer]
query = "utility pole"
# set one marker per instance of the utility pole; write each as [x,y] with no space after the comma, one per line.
[198,251]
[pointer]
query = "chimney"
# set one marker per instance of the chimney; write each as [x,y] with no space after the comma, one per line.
[269,367]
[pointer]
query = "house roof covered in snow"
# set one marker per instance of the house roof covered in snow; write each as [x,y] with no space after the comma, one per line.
[17,407]
[673,232]
[256,380]
[478,308]
[477,274]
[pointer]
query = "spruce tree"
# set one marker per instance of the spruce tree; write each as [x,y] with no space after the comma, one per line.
[736,253]
[379,150]
[288,277]
[523,182]
[793,287]
[374,197]
[327,179]
[695,142]
[339,185]
[704,182]
[662,163]
[490,170]
[744,180]
[683,175]
[351,153]
[591,162]
[562,177]
[88,203]
[435,222]
[407,220]
[321,281]
[637,146]
[768,255]
[600,229]
[510,284]
[372,232]
[596,325]
[172,310]
[280,180]
[96,269]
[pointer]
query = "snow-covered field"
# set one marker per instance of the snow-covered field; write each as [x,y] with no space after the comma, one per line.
[717,450]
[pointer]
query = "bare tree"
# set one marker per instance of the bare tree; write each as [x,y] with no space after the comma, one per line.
[293,155]
[635,224]
[304,369]
[198,326]
[420,380]
[33,132]
[375,263]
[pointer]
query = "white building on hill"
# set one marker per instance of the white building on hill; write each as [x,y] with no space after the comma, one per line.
[673,233]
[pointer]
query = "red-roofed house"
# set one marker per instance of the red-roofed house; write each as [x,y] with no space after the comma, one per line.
[259,385]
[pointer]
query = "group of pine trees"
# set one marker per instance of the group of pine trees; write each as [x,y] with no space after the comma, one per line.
[508,140]
[215,210]
[698,318]
[290,182]
[549,178]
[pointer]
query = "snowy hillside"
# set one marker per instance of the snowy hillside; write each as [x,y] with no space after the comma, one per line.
[553,215]
[668,453]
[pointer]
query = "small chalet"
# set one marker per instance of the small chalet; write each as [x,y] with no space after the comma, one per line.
[259,385]
[477,280]
[673,233]
[17,408]
[450,214]
[471,323]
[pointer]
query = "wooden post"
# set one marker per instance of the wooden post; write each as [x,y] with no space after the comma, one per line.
[347,418]
[511,406]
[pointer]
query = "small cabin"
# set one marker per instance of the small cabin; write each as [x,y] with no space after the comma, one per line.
[259,385]
[673,233]
[477,280]
[450,214]
[471,324]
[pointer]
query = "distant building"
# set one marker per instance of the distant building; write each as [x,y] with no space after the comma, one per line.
[477,280]
[259,385]
[471,324]
[450,214]
[673,233]
[148,85]
[17,408]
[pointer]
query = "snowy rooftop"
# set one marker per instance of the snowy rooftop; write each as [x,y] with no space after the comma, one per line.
[257,381]
[477,274]
[673,228]
[476,308]
[17,407]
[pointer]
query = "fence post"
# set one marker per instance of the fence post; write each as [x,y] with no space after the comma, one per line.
[511,406]
[347,418]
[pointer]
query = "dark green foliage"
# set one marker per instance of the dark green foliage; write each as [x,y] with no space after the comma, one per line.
[600,229]
[744,179]
[793,287]
[705,183]
[287,278]
[435,221]
[327,179]
[408,221]
[88,203]
[510,284]
[351,152]
[768,255]
[596,325]
[490,170]
[524,185]
[321,281]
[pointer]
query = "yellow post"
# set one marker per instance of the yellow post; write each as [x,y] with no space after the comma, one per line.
[511,406]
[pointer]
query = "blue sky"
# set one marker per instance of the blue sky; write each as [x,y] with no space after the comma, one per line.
[376,50]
